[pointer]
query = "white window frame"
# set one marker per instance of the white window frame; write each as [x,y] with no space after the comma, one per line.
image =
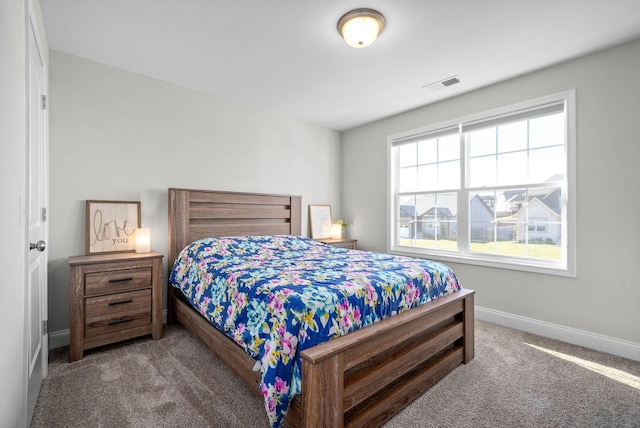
[564,267]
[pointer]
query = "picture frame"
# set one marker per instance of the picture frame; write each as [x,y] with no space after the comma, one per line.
[320,221]
[111,226]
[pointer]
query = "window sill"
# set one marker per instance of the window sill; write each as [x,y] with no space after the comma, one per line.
[510,263]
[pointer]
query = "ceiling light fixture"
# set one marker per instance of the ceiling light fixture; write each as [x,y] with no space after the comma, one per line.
[360,27]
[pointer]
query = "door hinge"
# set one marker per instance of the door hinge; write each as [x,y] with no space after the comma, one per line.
[43,215]
[45,326]
[44,102]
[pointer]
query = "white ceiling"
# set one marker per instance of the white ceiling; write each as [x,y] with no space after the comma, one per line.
[287,57]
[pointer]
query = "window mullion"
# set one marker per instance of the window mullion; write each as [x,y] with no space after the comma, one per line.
[463,197]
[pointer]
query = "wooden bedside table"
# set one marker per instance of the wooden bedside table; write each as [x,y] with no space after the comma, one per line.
[114,297]
[344,243]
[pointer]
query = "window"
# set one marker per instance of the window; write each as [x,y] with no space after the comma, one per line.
[494,189]
[538,225]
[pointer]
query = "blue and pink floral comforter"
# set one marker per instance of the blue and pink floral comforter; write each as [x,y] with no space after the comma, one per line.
[278,295]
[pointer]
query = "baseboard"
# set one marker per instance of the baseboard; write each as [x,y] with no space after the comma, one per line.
[610,345]
[60,338]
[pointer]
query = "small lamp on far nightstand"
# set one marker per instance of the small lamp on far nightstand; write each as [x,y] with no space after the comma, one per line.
[143,240]
[337,229]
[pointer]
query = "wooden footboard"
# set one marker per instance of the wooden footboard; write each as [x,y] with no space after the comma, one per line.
[365,377]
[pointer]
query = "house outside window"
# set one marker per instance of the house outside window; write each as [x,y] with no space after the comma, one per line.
[496,188]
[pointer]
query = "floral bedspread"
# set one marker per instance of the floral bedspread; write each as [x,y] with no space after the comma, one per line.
[278,295]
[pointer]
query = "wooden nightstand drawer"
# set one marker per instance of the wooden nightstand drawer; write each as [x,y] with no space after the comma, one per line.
[105,324]
[116,281]
[124,321]
[113,304]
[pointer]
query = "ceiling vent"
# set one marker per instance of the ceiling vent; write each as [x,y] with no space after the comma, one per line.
[441,84]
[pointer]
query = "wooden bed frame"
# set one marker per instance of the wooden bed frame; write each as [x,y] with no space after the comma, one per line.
[360,379]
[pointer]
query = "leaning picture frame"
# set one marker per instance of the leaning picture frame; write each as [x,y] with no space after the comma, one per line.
[111,226]
[320,221]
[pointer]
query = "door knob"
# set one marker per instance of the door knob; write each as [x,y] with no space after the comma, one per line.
[40,246]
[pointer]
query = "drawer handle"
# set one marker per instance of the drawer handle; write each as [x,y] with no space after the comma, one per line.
[120,321]
[113,281]
[122,302]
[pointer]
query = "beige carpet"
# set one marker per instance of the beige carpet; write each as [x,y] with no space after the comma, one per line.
[514,381]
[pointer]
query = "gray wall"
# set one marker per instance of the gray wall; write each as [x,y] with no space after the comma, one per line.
[116,135]
[604,298]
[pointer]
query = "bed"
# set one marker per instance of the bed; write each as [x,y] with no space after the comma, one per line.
[361,378]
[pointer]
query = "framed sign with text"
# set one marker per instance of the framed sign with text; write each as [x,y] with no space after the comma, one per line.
[320,221]
[111,226]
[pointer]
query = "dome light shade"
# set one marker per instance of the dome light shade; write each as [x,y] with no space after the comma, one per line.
[361,27]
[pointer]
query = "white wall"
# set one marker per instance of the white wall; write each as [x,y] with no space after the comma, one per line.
[116,135]
[12,186]
[604,298]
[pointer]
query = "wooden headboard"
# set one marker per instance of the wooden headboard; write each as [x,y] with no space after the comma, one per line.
[196,214]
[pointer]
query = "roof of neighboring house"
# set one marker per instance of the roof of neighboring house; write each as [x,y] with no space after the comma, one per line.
[407,211]
[552,200]
[534,200]
[549,198]
[483,200]
[442,212]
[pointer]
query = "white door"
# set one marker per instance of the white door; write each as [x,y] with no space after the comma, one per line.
[36,204]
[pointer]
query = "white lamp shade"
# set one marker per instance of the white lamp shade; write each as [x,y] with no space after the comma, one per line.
[143,240]
[361,27]
[336,231]
[360,32]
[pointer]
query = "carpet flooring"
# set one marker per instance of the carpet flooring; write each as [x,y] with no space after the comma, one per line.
[516,380]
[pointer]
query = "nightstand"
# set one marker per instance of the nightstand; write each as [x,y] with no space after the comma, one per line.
[344,243]
[114,297]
